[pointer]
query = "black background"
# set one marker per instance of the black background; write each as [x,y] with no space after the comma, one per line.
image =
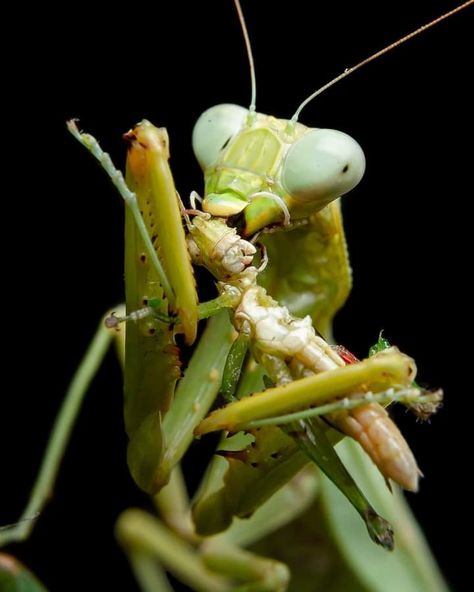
[407,226]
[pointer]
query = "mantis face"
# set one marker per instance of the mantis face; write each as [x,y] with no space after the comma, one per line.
[271,170]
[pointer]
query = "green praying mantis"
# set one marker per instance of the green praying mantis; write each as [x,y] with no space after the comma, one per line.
[158,438]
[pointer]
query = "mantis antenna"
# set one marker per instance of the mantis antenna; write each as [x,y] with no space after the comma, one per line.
[374,56]
[248,46]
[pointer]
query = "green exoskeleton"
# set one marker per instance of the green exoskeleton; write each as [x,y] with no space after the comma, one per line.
[272,190]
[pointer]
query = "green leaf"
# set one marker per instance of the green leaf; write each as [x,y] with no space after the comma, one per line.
[410,567]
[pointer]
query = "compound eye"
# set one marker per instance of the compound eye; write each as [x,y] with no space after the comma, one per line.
[213,130]
[321,166]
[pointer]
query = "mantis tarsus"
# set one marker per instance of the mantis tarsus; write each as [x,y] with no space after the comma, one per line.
[108,223]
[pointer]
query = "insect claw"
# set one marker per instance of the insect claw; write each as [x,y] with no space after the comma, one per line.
[112,321]
[380,530]
[429,404]
[279,202]
[264,257]
[254,238]
[195,212]
[194,196]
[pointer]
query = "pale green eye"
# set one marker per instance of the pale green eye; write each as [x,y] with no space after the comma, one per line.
[214,129]
[321,166]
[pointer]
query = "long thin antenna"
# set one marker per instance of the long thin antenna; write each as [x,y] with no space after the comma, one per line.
[374,56]
[253,97]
